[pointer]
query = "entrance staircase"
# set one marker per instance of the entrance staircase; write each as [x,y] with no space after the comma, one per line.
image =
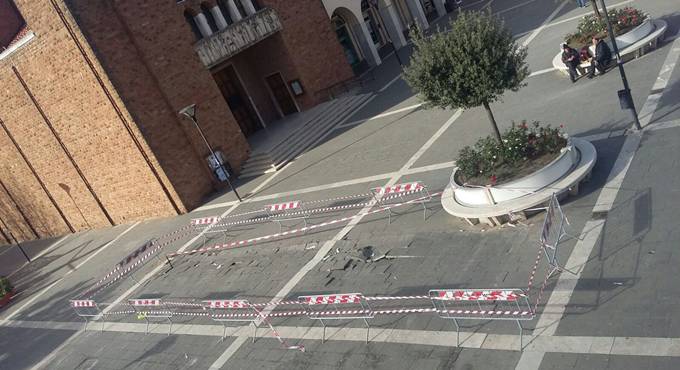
[276,147]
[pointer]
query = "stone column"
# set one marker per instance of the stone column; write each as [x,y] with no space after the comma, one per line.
[233,11]
[203,26]
[441,9]
[366,42]
[418,13]
[249,7]
[218,17]
[393,24]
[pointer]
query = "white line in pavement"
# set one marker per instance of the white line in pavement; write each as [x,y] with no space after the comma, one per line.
[381,115]
[39,294]
[387,86]
[538,30]
[47,250]
[663,125]
[180,250]
[514,7]
[542,71]
[647,112]
[323,251]
[627,346]
[340,184]
[575,17]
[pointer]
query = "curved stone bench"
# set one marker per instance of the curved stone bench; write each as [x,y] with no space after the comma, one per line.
[500,213]
[635,50]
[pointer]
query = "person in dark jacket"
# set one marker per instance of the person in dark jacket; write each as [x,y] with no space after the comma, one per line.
[570,58]
[603,55]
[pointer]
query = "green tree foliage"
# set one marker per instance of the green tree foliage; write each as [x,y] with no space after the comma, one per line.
[471,65]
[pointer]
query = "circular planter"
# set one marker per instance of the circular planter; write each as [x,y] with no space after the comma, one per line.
[635,35]
[628,43]
[484,196]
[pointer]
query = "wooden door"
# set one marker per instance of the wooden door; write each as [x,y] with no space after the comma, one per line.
[281,94]
[238,101]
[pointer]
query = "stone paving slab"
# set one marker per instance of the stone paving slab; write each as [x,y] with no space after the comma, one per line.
[23,348]
[357,355]
[94,350]
[555,361]
[627,288]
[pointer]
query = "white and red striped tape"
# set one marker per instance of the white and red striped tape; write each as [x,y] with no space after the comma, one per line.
[282,206]
[331,299]
[241,243]
[227,303]
[399,188]
[478,295]
[83,303]
[145,302]
[204,221]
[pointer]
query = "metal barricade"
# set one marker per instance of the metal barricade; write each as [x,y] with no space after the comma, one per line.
[350,306]
[482,304]
[153,309]
[384,194]
[88,310]
[232,310]
[210,225]
[553,231]
[288,211]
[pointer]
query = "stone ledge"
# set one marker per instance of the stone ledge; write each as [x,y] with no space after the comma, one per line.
[497,214]
[636,50]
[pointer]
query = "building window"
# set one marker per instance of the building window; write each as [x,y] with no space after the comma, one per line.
[194,27]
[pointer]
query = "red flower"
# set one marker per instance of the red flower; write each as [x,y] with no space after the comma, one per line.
[561,125]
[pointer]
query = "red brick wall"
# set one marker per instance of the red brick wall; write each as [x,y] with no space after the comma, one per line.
[146,49]
[311,42]
[10,22]
[77,107]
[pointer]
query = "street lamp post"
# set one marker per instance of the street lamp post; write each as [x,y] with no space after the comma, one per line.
[190,112]
[624,95]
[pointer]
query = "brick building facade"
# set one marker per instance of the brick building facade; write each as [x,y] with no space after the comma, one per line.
[89,130]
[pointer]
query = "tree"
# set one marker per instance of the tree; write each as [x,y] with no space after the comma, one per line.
[471,65]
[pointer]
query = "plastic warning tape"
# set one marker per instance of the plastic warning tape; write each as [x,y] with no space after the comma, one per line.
[241,243]
[83,303]
[478,295]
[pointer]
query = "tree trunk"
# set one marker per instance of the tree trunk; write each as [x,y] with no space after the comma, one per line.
[596,10]
[493,122]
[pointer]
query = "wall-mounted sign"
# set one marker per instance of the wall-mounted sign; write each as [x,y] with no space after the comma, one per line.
[296,87]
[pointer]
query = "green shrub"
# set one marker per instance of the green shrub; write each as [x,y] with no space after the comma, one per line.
[623,20]
[521,143]
[5,286]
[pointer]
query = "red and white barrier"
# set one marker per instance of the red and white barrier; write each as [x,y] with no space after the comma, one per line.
[283,206]
[480,295]
[348,306]
[382,195]
[482,304]
[153,309]
[88,310]
[242,243]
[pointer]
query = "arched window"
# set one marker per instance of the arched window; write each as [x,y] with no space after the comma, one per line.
[205,8]
[189,16]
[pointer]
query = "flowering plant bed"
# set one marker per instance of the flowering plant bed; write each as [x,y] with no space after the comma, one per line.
[623,21]
[525,149]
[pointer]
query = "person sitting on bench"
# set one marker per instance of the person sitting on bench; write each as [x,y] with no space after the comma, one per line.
[570,58]
[603,55]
